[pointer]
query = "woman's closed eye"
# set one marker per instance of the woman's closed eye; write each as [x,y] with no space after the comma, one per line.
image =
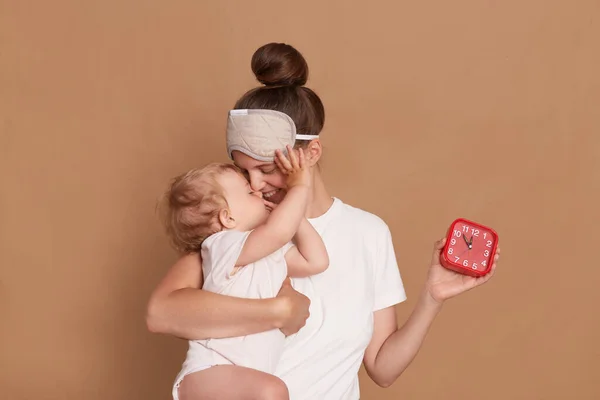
[268,170]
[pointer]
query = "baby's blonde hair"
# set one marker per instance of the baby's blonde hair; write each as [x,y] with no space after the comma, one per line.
[191,204]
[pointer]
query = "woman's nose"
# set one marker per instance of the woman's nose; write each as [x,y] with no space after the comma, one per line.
[258,194]
[256,183]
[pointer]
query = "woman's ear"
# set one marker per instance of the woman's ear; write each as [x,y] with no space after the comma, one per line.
[226,219]
[313,152]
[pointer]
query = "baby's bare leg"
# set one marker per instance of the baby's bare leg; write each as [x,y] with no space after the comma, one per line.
[230,382]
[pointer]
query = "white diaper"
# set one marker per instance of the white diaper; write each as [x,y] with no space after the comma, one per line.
[183,374]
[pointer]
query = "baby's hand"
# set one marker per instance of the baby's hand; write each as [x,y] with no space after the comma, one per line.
[270,206]
[295,168]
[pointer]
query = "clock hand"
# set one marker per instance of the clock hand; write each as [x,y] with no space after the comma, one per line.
[465,239]
[469,243]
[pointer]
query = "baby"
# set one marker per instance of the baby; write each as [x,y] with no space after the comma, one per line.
[246,252]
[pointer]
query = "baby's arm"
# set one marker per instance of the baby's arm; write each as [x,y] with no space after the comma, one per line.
[309,256]
[282,224]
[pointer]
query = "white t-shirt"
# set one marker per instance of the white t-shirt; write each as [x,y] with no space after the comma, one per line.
[322,360]
[259,280]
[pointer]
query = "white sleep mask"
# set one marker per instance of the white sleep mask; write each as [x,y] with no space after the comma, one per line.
[258,133]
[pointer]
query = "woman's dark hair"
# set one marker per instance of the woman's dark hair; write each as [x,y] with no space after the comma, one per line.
[283,71]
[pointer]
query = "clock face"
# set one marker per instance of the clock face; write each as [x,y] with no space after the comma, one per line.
[471,246]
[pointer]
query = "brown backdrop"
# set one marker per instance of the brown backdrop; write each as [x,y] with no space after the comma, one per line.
[487,110]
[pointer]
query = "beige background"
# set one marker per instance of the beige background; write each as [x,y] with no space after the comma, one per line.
[483,109]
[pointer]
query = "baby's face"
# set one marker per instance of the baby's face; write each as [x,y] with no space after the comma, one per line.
[246,206]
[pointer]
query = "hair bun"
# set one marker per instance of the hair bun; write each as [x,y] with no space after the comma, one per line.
[279,64]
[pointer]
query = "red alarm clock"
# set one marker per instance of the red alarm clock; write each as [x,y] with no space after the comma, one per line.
[470,248]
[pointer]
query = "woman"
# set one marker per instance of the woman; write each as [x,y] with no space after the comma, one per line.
[350,317]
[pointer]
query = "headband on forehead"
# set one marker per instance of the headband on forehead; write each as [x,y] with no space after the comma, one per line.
[258,133]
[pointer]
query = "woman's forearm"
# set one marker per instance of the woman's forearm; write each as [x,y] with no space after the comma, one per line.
[401,347]
[180,308]
[195,314]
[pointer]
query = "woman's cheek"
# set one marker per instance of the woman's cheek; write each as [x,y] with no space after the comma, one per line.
[277,181]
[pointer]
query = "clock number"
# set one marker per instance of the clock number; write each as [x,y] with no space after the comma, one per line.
[489,243]
[453,241]
[485,235]
[465,228]
[474,266]
[457,258]
[484,263]
[457,233]
[486,253]
[450,250]
[475,232]
[466,263]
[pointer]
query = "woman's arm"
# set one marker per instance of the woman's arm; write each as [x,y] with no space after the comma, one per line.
[392,349]
[180,308]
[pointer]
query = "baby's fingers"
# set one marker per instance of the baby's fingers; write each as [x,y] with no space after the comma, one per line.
[269,205]
[278,163]
[301,158]
[284,163]
[292,157]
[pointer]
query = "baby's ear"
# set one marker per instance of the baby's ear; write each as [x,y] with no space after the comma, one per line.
[226,219]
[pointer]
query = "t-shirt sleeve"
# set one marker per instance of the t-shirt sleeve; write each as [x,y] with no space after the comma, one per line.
[219,256]
[389,288]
